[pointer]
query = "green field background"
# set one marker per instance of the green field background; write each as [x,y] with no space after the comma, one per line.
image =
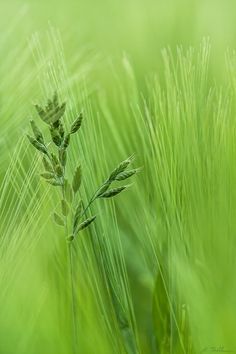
[156,273]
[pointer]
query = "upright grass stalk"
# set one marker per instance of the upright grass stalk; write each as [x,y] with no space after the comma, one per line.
[72,207]
[71,284]
[73,310]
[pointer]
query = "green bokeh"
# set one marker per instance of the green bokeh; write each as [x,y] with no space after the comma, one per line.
[173,232]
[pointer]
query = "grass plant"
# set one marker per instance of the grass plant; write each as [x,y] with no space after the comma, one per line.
[73,216]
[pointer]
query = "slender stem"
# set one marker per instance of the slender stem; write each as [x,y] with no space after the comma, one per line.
[86,208]
[70,261]
[90,201]
[71,284]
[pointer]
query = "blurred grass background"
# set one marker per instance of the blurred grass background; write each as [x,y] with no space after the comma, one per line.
[101,32]
[107,29]
[170,241]
[137,27]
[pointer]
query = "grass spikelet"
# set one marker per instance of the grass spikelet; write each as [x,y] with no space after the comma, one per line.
[47,165]
[103,189]
[66,142]
[64,207]
[40,147]
[112,192]
[78,213]
[63,157]
[85,224]
[56,137]
[47,175]
[76,125]
[126,174]
[37,133]
[120,168]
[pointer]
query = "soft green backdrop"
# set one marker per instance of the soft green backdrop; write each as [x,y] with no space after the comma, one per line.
[167,247]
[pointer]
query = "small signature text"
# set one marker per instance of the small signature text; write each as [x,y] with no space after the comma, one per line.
[217,349]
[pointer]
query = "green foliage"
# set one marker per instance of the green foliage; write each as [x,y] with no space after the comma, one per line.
[154,270]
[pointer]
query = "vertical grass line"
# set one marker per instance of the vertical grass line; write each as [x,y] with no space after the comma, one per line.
[73,308]
[71,283]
